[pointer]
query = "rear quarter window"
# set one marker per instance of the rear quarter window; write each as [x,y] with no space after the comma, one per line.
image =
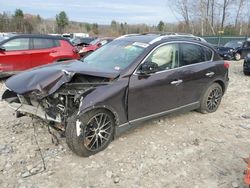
[41,43]
[208,53]
[194,53]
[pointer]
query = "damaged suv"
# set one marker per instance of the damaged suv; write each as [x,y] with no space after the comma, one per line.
[132,79]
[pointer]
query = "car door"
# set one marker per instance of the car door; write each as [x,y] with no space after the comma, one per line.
[44,51]
[196,71]
[157,92]
[16,56]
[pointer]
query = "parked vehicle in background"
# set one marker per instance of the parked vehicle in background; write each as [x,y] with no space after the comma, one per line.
[242,51]
[235,50]
[23,52]
[81,35]
[246,65]
[132,79]
[82,42]
[227,51]
[94,45]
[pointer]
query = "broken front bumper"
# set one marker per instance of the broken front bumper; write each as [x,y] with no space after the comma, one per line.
[32,110]
[21,104]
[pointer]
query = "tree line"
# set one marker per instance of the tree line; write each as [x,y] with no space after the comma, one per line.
[212,17]
[199,17]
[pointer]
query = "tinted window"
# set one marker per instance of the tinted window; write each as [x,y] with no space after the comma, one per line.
[166,57]
[208,53]
[192,54]
[17,44]
[40,43]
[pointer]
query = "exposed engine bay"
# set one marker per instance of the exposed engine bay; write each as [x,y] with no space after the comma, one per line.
[58,106]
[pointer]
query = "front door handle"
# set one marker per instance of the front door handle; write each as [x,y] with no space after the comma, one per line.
[210,74]
[176,82]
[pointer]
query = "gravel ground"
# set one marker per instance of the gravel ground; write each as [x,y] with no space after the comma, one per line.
[180,150]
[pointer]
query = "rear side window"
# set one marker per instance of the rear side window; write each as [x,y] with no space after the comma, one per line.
[208,53]
[17,44]
[192,53]
[41,43]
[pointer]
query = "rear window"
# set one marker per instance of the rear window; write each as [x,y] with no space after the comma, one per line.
[41,43]
[192,53]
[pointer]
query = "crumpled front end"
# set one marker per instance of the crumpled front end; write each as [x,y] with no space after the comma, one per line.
[53,92]
[55,107]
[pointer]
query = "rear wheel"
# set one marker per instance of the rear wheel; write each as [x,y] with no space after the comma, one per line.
[211,99]
[237,56]
[90,133]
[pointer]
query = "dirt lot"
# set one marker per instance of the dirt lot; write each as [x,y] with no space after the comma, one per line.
[181,150]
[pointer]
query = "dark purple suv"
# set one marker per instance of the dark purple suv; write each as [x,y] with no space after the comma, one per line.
[130,80]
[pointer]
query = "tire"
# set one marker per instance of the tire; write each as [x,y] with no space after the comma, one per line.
[211,99]
[237,56]
[90,133]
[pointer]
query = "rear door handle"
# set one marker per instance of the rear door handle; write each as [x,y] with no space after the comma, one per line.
[210,74]
[176,82]
[53,51]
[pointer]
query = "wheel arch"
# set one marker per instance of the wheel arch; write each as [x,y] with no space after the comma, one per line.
[104,107]
[222,84]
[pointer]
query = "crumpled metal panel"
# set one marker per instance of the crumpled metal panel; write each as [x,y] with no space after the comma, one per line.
[45,80]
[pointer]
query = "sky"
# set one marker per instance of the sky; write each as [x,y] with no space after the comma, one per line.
[99,11]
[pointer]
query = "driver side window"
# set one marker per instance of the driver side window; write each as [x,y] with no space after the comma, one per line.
[166,57]
[17,44]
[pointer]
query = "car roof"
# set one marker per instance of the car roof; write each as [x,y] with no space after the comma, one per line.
[38,36]
[152,38]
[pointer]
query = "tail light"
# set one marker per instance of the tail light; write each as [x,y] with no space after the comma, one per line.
[226,64]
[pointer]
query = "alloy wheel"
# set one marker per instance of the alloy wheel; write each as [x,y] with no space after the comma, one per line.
[214,99]
[98,131]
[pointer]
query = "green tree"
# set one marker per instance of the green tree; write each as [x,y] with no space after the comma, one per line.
[62,21]
[18,13]
[88,27]
[18,21]
[113,25]
[95,28]
[161,26]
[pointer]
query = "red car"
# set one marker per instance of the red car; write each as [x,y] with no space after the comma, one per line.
[94,45]
[23,52]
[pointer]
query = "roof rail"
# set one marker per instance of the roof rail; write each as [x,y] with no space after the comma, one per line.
[128,35]
[175,36]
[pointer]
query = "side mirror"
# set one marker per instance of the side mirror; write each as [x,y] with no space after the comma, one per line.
[148,68]
[99,45]
[2,49]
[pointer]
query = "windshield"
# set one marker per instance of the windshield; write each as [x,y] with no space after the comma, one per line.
[234,44]
[115,56]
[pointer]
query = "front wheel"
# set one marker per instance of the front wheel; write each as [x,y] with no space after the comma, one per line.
[90,133]
[211,99]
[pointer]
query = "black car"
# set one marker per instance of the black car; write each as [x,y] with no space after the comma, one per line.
[246,65]
[132,79]
[241,52]
[228,50]
[82,41]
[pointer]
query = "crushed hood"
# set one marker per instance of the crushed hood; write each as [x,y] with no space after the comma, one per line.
[47,79]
